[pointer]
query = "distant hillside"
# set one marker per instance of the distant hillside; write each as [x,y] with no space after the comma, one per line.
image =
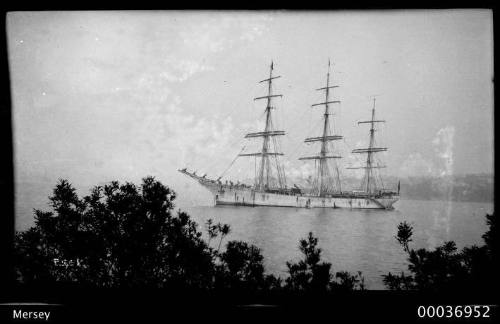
[471,187]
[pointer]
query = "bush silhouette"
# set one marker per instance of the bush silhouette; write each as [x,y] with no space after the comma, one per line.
[119,235]
[311,275]
[242,269]
[123,235]
[445,268]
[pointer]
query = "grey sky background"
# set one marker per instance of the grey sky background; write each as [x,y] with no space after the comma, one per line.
[99,96]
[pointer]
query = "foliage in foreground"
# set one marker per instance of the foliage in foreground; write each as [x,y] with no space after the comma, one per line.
[446,268]
[313,275]
[123,235]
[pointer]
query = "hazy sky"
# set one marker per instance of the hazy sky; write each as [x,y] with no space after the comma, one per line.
[120,95]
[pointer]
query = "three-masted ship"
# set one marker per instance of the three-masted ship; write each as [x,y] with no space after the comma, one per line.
[270,185]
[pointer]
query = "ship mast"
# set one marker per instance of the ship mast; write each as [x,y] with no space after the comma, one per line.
[264,177]
[369,183]
[326,183]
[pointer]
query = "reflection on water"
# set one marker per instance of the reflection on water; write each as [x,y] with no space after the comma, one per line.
[352,240]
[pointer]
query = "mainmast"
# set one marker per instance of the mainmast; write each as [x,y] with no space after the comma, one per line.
[264,177]
[369,181]
[326,183]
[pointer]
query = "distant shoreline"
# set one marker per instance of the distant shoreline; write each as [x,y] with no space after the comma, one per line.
[446,200]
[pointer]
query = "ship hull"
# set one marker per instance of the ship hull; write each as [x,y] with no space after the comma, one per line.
[251,198]
[245,196]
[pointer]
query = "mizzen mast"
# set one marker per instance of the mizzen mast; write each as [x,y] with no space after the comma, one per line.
[326,182]
[369,180]
[264,178]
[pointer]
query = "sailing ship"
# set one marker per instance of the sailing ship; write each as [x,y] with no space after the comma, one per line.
[270,185]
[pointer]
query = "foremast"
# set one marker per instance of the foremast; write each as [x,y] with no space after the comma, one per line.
[326,183]
[369,182]
[264,179]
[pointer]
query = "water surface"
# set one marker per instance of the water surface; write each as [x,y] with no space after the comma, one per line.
[352,240]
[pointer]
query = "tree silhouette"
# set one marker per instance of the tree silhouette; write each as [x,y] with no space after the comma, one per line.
[242,267]
[491,237]
[224,231]
[123,235]
[445,268]
[405,231]
[311,275]
[212,230]
[119,235]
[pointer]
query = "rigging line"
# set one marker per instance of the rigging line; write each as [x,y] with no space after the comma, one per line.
[379,173]
[231,115]
[381,182]
[277,171]
[214,162]
[276,160]
[237,140]
[316,177]
[210,166]
[232,162]
[300,143]
[350,149]
[255,171]
[281,168]
[300,120]
[296,142]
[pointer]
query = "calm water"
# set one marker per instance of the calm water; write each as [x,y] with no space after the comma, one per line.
[352,240]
